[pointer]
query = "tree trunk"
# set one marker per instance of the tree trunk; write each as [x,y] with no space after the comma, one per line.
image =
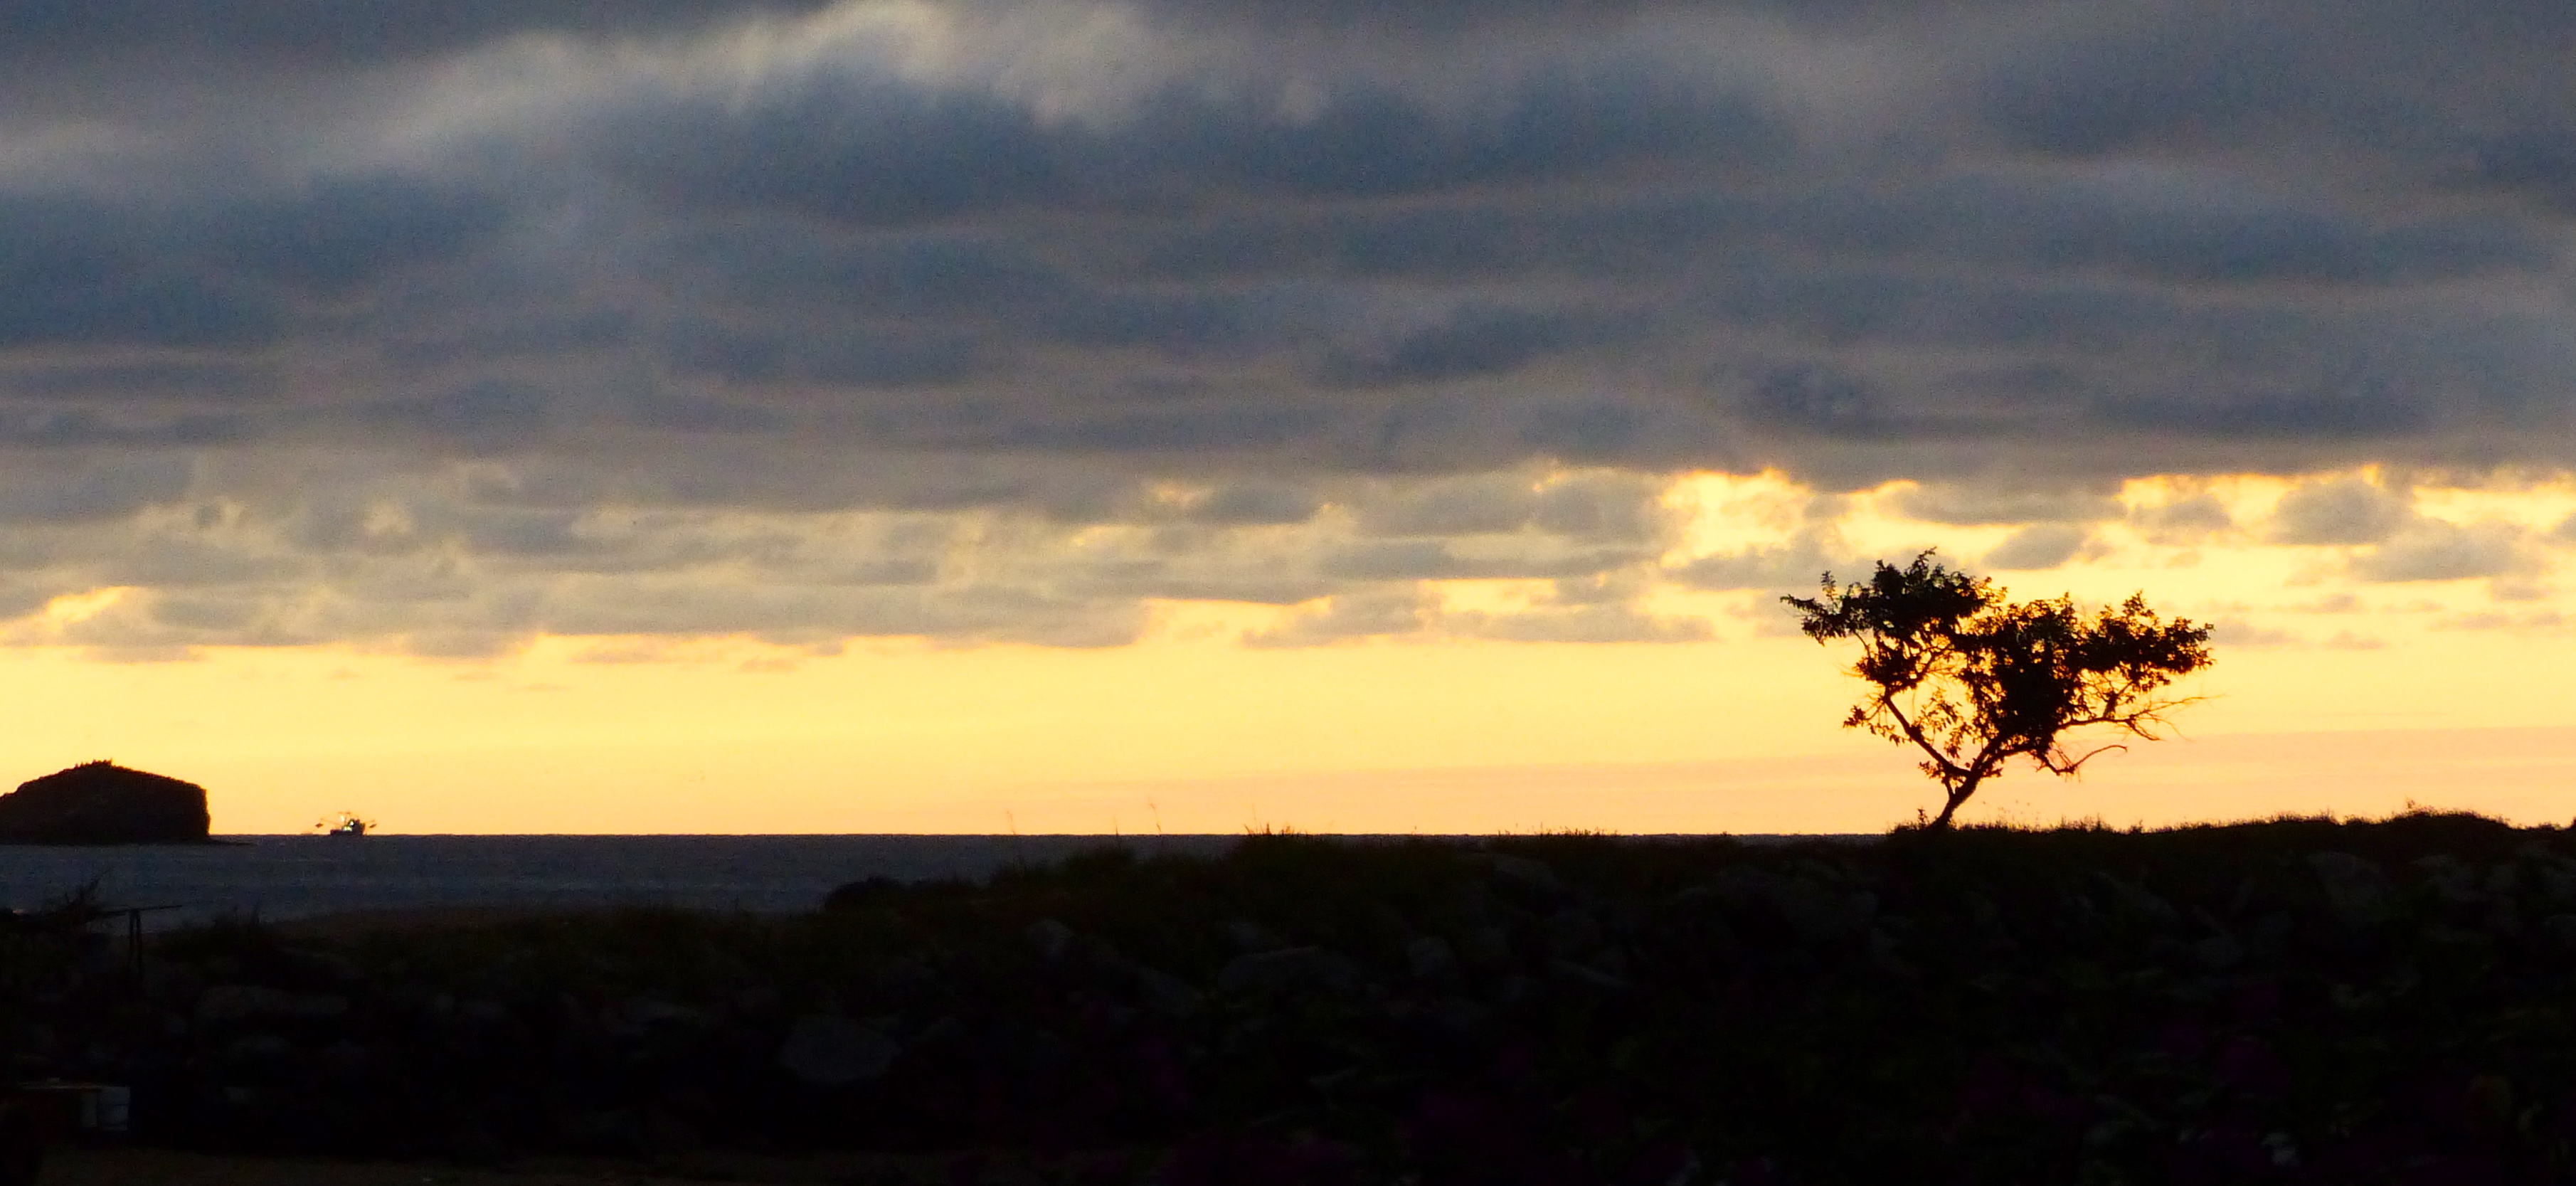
[1967,786]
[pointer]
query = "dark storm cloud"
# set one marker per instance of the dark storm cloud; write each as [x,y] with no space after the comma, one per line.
[2373,412]
[76,271]
[857,149]
[1617,235]
[2219,76]
[2179,226]
[2188,228]
[891,358]
[89,490]
[51,428]
[149,381]
[1424,16]
[1253,504]
[477,416]
[1814,397]
[1183,430]
[931,308]
[341,232]
[2541,163]
[1470,343]
[337,31]
[1424,560]
[455,323]
[88,271]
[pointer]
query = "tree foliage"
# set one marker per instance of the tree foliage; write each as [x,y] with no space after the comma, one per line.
[1974,680]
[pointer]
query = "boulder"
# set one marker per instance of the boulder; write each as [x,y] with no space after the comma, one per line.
[2355,887]
[21,1157]
[1290,971]
[103,803]
[825,1050]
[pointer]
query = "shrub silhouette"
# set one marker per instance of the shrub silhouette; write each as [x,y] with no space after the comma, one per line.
[1974,680]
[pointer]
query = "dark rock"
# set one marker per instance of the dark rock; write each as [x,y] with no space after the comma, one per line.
[2220,952]
[874,891]
[20,1156]
[1251,937]
[638,1015]
[1430,956]
[1487,946]
[248,1002]
[1797,907]
[103,803]
[1529,874]
[2451,878]
[611,1132]
[1165,993]
[1292,970]
[1050,937]
[907,979]
[473,1144]
[258,1049]
[823,1050]
[345,1061]
[1572,934]
[2355,887]
[1586,976]
[2143,903]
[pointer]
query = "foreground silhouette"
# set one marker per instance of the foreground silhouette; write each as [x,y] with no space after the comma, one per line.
[1974,680]
[2293,1001]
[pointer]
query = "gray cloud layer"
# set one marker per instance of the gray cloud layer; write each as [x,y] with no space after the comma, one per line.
[981,285]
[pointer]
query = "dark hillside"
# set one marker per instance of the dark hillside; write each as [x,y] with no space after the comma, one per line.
[2300,1000]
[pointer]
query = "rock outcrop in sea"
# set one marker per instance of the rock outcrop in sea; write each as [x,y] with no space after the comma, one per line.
[104,803]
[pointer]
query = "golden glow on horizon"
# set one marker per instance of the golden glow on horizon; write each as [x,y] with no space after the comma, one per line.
[1194,731]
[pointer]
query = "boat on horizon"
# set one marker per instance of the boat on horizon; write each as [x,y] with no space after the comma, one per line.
[346,824]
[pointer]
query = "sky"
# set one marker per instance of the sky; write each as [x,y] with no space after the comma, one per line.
[992,415]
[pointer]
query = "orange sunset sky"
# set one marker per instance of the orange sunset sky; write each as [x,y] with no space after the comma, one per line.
[2328,695]
[1110,415]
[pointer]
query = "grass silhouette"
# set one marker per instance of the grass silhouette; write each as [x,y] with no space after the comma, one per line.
[2289,999]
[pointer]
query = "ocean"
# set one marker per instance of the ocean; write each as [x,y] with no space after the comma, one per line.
[279,878]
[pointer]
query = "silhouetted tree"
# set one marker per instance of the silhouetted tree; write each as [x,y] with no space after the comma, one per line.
[1974,680]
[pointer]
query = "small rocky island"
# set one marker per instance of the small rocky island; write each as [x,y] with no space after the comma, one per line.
[104,803]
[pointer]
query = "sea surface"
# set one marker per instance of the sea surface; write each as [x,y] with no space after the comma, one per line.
[288,877]
[279,878]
